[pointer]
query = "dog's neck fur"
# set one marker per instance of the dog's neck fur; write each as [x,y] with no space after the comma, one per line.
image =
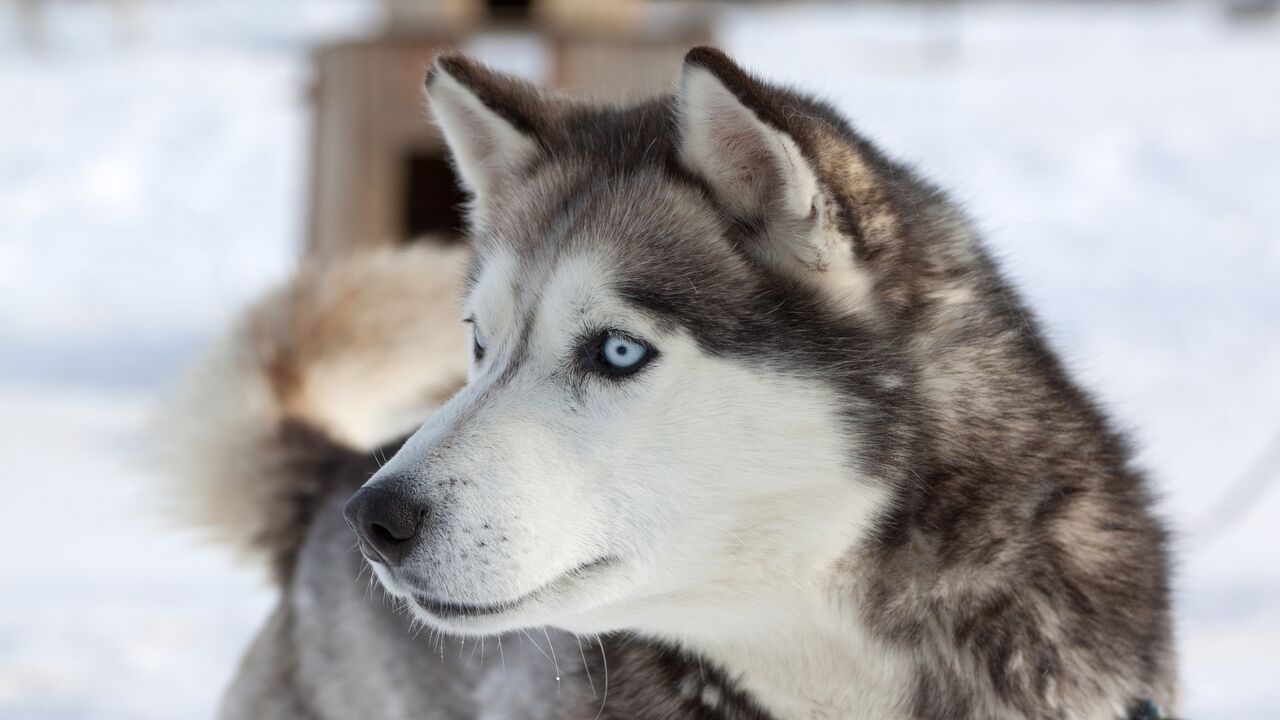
[801,653]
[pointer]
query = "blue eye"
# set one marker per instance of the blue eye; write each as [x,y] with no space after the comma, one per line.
[622,355]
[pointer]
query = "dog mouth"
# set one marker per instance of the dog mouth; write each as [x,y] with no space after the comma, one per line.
[448,609]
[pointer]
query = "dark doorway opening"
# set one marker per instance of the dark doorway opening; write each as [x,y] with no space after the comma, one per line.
[509,9]
[433,201]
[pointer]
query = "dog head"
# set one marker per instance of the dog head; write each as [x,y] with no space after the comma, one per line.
[684,390]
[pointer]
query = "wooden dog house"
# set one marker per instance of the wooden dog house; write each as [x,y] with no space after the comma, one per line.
[379,171]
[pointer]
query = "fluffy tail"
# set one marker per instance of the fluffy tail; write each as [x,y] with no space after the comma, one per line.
[346,357]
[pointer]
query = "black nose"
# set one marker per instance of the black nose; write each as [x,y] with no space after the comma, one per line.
[387,521]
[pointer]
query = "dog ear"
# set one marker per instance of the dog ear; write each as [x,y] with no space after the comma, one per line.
[489,122]
[753,167]
[733,134]
[756,169]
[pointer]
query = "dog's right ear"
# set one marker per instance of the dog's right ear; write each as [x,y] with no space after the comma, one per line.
[489,121]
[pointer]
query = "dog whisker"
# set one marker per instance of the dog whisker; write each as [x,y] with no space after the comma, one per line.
[586,668]
[553,658]
[604,659]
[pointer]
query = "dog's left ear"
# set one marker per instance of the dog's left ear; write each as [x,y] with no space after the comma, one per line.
[733,134]
[755,168]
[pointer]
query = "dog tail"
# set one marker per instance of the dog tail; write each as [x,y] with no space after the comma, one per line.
[346,357]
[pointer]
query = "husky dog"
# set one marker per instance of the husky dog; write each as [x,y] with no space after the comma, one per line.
[753,421]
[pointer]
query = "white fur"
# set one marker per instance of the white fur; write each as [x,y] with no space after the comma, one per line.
[727,490]
[811,659]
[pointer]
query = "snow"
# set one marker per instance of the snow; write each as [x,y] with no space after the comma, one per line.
[1124,159]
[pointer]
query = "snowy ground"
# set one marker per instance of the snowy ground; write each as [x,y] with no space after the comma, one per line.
[1124,159]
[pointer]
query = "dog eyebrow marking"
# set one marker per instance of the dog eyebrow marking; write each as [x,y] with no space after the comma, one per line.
[519,351]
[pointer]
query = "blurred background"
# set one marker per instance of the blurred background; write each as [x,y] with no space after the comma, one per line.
[164,161]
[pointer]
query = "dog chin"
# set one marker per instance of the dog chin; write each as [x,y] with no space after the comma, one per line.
[482,624]
[555,600]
